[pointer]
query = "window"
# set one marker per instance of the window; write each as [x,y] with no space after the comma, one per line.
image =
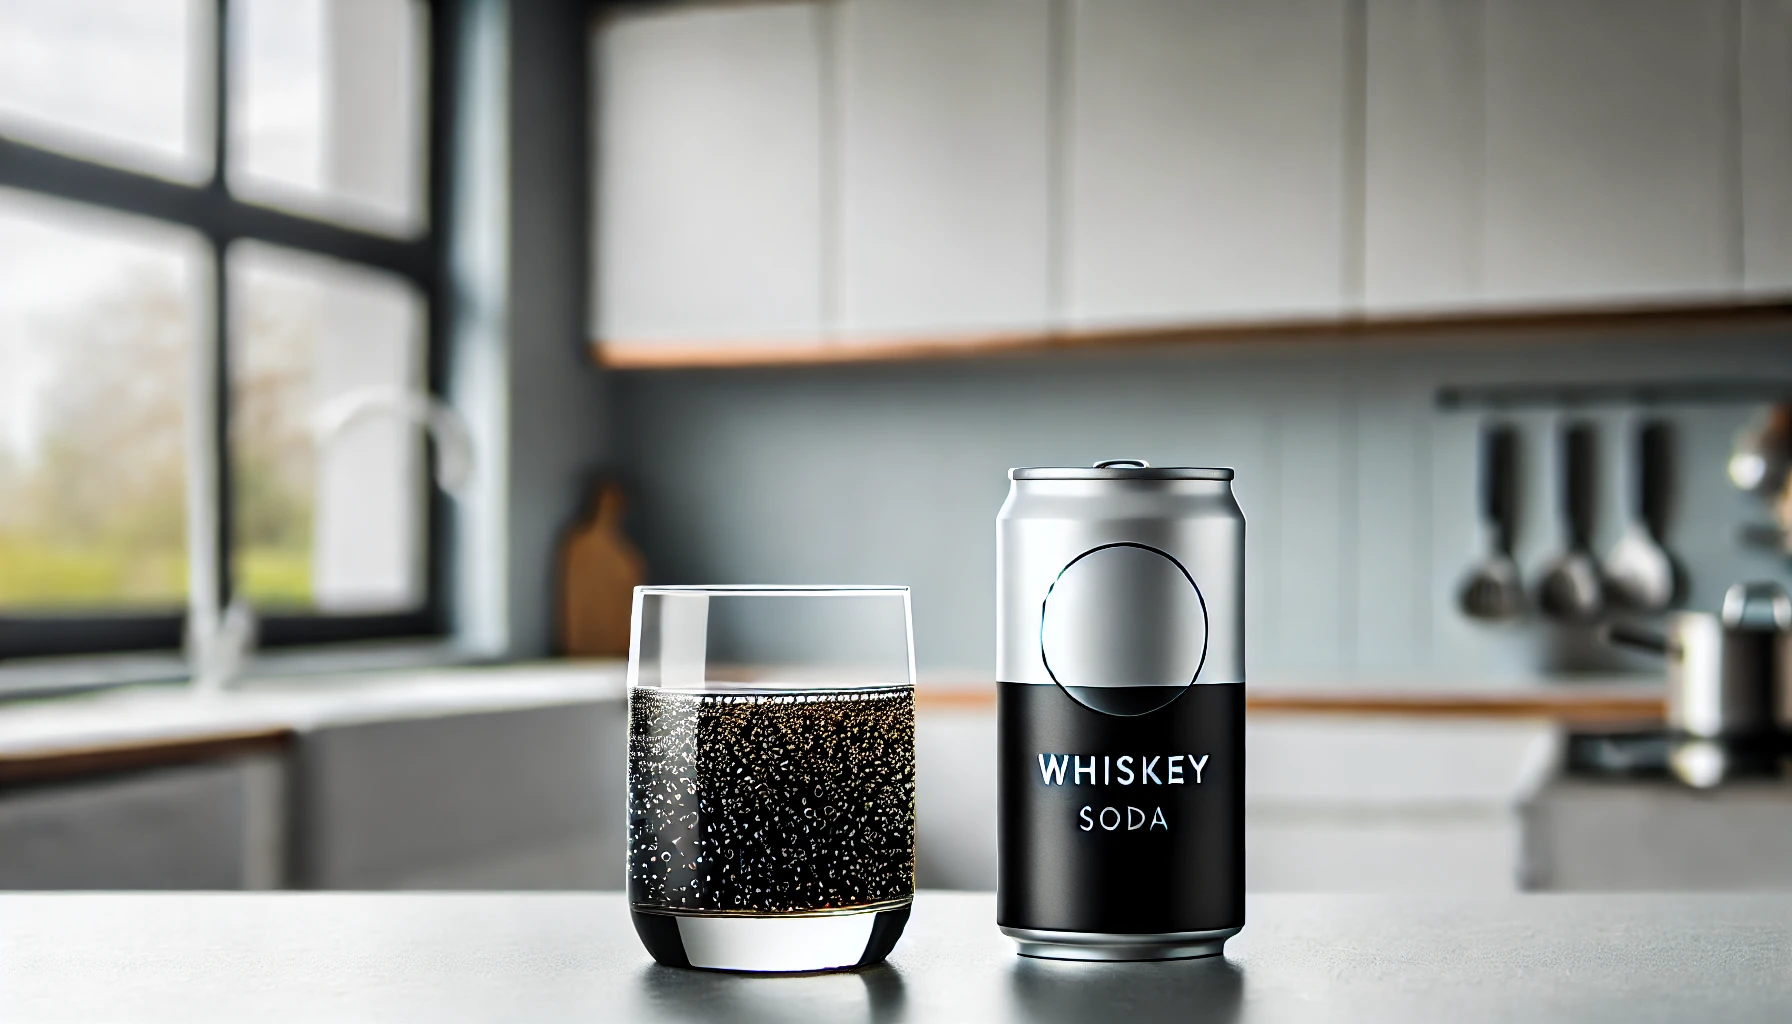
[99,316]
[220,266]
[321,524]
[126,82]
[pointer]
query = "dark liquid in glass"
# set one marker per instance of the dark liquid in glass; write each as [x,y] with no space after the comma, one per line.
[769,801]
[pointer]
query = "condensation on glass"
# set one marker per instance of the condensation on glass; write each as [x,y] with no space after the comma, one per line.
[125,82]
[328,509]
[327,111]
[100,318]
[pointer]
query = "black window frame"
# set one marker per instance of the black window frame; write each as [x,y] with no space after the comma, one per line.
[209,208]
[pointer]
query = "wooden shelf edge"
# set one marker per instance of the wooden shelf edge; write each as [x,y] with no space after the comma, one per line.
[1567,708]
[1578,707]
[138,754]
[695,354]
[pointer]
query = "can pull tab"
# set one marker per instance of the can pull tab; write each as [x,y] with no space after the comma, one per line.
[1123,464]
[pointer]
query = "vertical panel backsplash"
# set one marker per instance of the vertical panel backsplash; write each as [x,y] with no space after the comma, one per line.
[1391,625]
[1315,479]
[1360,494]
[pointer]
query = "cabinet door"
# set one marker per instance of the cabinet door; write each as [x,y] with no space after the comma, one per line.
[1421,154]
[709,176]
[1766,123]
[1206,159]
[206,826]
[1609,167]
[525,798]
[945,165]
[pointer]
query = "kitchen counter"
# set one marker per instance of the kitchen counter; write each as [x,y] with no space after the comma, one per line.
[148,726]
[1656,835]
[145,726]
[574,957]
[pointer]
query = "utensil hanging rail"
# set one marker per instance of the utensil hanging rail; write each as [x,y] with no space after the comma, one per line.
[1587,393]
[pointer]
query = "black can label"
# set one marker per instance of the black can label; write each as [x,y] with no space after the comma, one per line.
[1120,824]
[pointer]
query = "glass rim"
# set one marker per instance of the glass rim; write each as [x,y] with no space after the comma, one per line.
[776,590]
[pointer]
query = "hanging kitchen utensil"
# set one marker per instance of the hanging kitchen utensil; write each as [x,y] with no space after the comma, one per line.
[1729,679]
[1639,573]
[1571,590]
[1761,454]
[1492,590]
[1761,464]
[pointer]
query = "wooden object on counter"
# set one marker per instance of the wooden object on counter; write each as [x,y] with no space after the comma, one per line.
[599,571]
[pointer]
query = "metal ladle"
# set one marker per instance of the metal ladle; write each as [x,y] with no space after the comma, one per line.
[1639,573]
[1571,589]
[1492,590]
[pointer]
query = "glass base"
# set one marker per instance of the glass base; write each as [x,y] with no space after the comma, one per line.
[775,943]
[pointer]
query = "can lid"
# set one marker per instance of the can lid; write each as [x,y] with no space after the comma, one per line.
[1121,469]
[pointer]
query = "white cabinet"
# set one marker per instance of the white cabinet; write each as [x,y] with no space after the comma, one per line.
[709,176]
[945,163]
[528,798]
[1609,169]
[1543,153]
[1646,835]
[1206,159]
[1346,804]
[884,169]
[1333,803]
[1421,154]
[217,825]
[1766,146]
[955,798]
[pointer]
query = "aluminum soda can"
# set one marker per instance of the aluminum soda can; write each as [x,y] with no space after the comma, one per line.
[1120,703]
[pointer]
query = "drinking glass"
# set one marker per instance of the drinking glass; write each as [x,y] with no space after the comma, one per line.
[771,775]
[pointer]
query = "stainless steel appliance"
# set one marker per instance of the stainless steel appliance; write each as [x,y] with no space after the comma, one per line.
[1729,683]
[1120,668]
[1761,464]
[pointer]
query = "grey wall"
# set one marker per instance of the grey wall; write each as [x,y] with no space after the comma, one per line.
[1358,492]
[558,415]
[522,374]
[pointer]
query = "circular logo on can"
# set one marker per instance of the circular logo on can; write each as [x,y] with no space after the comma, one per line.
[1123,629]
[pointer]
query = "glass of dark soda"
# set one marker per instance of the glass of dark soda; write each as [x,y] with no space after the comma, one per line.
[771,775]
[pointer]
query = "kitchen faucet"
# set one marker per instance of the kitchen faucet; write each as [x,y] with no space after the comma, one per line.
[220,643]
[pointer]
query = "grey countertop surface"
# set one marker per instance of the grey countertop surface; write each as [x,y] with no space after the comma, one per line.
[573,957]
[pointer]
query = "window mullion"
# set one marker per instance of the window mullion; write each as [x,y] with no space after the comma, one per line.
[221,326]
[208,519]
[220,95]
